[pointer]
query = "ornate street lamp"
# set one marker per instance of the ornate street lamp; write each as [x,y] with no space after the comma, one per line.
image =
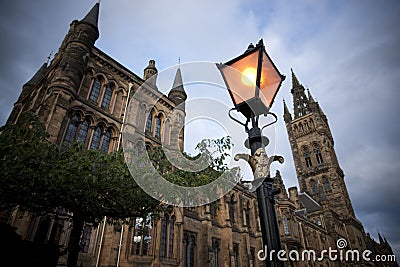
[253,81]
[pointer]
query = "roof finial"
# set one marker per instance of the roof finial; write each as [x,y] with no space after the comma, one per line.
[48,58]
[179,61]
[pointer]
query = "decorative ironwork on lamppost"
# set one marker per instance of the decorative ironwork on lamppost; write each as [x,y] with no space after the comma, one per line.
[253,81]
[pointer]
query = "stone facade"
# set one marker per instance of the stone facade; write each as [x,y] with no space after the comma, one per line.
[83,93]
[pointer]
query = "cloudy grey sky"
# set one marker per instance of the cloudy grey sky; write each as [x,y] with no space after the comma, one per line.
[346,52]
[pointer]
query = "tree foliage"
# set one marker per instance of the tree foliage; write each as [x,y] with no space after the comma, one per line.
[85,185]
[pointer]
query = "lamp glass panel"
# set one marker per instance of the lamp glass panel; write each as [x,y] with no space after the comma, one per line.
[241,78]
[270,81]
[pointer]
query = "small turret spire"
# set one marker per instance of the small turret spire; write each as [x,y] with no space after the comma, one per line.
[381,241]
[295,81]
[300,100]
[310,98]
[286,114]
[92,17]
[177,93]
[178,83]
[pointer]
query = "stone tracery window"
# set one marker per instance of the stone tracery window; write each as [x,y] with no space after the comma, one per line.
[95,91]
[157,128]
[149,122]
[95,144]
[285,225]
[83,131]
[318,156]
[71,129]
[107,96]
[307,159]
[106,141]
[189,244]
[327,185]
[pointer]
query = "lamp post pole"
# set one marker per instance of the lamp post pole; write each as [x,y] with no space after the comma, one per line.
[266,204]
[253,81]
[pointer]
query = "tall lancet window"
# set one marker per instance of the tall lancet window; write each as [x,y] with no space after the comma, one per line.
[325,182]
[95,92]
[106,142]
[71,129]
[164,229]
[149,122]
[83,131]
[171,237]
[96,138]
[318,156]
[307,158]
[107,96]
[157,129]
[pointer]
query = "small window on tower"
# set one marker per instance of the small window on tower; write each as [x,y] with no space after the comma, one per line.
[318,156]
[327,185]
[307,158]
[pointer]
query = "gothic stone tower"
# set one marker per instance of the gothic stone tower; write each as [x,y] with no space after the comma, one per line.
[317,167]
[311,141]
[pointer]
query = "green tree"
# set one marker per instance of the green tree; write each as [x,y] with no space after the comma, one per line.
[86,185]
[46,178]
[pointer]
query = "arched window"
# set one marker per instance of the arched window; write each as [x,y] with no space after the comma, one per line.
[285,225]
[247,212]
[71,129]
[142,236]
[307,158]
[83,131]
[164,229]
[327,185]
[137,237]
[191,245]
[232,209]
[95,91]
[157,129]
[107,96]
[171,237]
[147,235]
[106,141]
[96,138]
[313,186]
[215,248]
[318,156]
[149,122]
[301,127]
[214,209]
[236,254]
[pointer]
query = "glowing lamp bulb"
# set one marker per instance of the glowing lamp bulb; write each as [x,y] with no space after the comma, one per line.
[249,76]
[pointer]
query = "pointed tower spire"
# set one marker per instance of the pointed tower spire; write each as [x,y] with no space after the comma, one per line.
[380,238]
[300,100]
[178,84]
[93,16]
[177,93]
[295,81]
[310,98]
[286,114]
